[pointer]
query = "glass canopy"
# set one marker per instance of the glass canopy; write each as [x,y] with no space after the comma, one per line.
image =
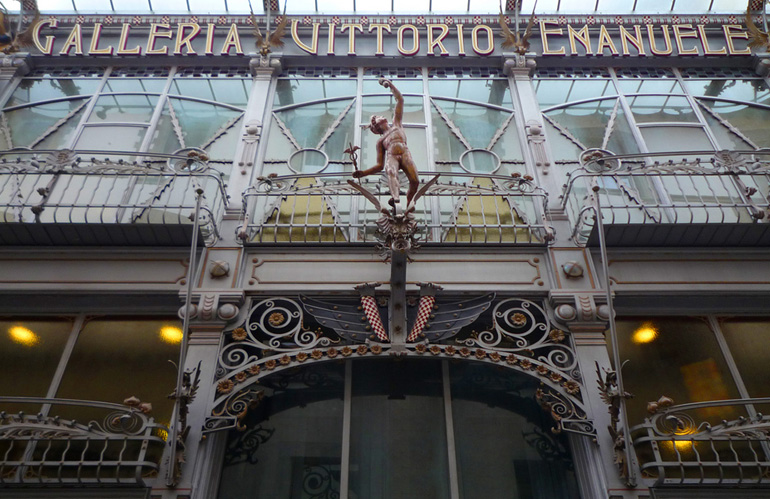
[393,6]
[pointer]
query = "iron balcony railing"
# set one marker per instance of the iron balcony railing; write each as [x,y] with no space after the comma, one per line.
[677,446]
[116,445]
[458,208]
[693,198]
[84,197]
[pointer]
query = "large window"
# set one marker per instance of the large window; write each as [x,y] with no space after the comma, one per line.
[694,360]
[413,428]
[104,359]
[142,110]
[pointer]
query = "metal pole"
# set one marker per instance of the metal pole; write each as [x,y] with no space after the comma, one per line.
[630,476]
[170,479]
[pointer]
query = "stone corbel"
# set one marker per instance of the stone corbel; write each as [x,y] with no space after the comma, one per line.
[581,310]
[15,65]
[215,307]
[761,63]
[536,141]
[264,67]
[519,66]
[250,137]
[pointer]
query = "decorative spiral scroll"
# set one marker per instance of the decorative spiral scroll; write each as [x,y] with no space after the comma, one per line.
[565,413]
[523,326]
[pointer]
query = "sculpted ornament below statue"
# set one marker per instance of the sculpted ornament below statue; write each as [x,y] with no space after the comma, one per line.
[397,227]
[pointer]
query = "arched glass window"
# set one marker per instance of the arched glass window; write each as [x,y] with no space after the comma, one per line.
[407,428]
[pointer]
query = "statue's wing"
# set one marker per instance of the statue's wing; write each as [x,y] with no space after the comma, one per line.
[257,32]
[528,31]
[447,318]
[757,37]
[348,320]
[276,36]
[26,38]
[510,38]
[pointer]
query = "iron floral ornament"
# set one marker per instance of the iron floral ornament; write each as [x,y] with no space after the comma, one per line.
[288,333]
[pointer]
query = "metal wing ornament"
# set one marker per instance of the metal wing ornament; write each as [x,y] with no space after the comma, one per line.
[436,319]
[273,39]
[352,322]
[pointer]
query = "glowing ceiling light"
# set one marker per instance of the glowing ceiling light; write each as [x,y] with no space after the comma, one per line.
[171,334]
[22,335]
[645,333]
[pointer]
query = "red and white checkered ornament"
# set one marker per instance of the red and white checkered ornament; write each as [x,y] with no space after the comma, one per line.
[369,304]
[423,314]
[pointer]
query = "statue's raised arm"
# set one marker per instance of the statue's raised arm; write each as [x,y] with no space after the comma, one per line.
[398,112]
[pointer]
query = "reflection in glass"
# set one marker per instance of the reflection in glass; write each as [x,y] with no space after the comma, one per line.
[111,138]
[36,90]
[292,447]
[29,123]
[747,340]
[683,362]
[504,444]
[123,108]
[233,91]
[661,108]
[398,436]
[116,359]
[552,92]
[493,91]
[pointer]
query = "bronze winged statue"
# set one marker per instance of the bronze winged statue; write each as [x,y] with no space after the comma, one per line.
[14,39]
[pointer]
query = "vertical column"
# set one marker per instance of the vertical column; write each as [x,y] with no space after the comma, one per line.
[599,466]
[519,69]
[263,69]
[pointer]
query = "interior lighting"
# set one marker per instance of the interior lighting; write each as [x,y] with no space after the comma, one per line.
[171,334]
[24,336]
[645,333]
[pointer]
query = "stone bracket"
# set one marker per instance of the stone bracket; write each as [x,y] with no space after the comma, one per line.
[519,66]
[215,306]
[264,67]
[761,63]
[580,310]
[15,65]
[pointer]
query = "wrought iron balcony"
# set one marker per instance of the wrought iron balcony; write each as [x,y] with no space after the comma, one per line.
[694,198]
[60,197]
[119,446]
[675,448]
[325,209]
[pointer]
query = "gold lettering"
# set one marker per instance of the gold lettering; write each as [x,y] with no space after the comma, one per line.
[582,37]
[210,39]
[74,40]
[380,28]
[122,50]
[94,49]
[544,32]
[185,40]
[151,50]
[232,40]
[330,41]
[352,28]
[707,50]
[310,49]
[678,35]
[490,40]
[625,38]
[437,42]
[47,49]
[730,34]
[415,39]
[605,41]
[667,39]
[460,39]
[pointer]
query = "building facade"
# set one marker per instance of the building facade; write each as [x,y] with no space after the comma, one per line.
[199,299]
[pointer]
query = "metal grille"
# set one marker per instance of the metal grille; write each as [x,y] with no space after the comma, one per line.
[324,209]
[644,73]
[121,447]
[738,73]
[394,72]
[56,197]
[572,73]
[327,72]
[209,72]
[677,449]
[690,200]
[466,73]
[67,71]
[160,72]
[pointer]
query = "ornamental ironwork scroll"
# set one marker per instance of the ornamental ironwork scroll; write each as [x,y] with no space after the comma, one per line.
[284,333]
